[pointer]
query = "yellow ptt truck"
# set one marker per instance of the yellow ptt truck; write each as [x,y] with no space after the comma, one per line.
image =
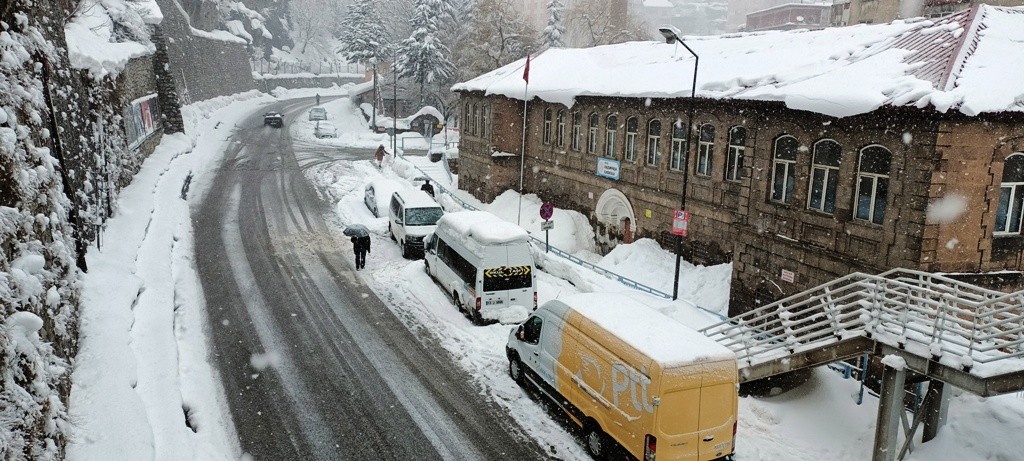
[629,375]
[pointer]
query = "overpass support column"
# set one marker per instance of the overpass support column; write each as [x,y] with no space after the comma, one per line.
[890,406]
[936,409]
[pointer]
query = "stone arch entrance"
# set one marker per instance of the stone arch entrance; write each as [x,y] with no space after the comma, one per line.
[619,222]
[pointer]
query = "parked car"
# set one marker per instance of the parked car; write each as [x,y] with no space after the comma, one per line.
[413,214]
[325,129]
[273,119]
[377,194]
[317,113]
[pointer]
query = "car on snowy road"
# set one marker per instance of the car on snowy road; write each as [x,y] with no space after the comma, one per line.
[317,113]
[325,129]
[274,119]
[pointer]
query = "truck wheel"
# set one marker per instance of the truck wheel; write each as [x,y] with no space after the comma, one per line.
[515,369]
[477,319]
[596,441]
[458,304]
[405,250]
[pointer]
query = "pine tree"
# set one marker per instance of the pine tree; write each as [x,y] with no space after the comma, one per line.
[363,37]
[555,30]
[423,56]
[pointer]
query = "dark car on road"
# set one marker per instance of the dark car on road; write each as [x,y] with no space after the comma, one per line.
[273,119]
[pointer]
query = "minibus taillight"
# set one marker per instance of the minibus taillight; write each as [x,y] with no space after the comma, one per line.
[734,424]
[534,300]
[650,446]
[477,303]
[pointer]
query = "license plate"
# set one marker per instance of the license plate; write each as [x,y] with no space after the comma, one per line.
[494,302]
[721,446]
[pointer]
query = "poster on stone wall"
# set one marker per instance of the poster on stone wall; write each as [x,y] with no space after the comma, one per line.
[141,119]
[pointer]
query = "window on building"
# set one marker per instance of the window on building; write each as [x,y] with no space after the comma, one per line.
[611,128]
[678,143]
[737,147]
[824,176]
[632,125]
[577,128]
[784,169]
[560,130]
[653,142]
[480,127]
[487,121]
[471,125]
[705,148]
[546,136]
[1011,196]
[872,183]
[594,125]
[466,119]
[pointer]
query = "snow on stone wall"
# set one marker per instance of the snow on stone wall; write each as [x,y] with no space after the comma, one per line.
[39,287]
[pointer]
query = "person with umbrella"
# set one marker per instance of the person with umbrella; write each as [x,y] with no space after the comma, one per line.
[360,243]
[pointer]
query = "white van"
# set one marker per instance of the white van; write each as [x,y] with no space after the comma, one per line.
[485,264]
[413,214]
[630,376]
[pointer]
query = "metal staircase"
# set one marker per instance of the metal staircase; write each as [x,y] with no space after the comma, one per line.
[944,330]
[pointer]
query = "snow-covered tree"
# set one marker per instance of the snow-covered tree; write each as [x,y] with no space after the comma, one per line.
[602,22]
[498,34]
[311,21]
[422,56]
[555,31]
[363,36]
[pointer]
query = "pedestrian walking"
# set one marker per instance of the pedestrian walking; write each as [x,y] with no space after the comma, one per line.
[379,155]
[428,188]
[318,99]
[361,246]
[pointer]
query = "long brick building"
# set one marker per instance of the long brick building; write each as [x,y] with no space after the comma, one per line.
[811,154]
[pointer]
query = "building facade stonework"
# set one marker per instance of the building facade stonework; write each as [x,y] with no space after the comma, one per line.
[806,198]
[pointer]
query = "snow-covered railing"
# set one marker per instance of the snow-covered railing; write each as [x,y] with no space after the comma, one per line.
[574,259]
[926,314]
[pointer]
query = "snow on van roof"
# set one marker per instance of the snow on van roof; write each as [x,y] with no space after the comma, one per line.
[417,199]
[663,339]
[483,227]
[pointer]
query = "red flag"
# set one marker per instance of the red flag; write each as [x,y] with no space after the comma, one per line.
[526,70]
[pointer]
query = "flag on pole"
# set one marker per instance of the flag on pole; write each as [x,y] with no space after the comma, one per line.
[526,70]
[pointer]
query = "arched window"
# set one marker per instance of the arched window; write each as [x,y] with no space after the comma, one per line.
[1011,196]
[705,148]
[678,143]
[611,128]
[560,130]
[653,142]
[577,128]
[734,159]
[594,126]
[872,183]
[632,125]
[784,169]
[824,176]
[546,137]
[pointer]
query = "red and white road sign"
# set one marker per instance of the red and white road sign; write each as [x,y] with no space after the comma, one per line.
[680,222]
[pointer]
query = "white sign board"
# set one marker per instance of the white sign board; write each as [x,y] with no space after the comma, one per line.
[788,276]
[608,168]
[547,225]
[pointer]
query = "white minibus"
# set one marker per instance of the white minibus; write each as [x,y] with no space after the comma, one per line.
[484,264]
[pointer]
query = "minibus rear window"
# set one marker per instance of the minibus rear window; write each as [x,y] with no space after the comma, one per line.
[507,278]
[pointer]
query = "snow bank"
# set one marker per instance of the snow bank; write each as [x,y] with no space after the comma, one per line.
[92,43]
[483,228]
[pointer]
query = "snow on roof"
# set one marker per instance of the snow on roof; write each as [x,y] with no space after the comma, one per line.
[840,71]
[663,339]
[418,199]
[483,227]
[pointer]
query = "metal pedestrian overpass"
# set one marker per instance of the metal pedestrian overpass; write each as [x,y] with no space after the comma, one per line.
[927,327]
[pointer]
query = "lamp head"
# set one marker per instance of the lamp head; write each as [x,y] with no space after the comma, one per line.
[671,34]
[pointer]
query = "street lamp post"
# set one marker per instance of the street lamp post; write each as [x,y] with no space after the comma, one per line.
[373,122]
[672,36]
[394,107]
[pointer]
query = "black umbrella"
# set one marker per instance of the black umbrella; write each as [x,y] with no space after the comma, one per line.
[357,230]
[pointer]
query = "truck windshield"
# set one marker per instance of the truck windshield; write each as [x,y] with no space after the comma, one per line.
[507,278]
[422,216]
